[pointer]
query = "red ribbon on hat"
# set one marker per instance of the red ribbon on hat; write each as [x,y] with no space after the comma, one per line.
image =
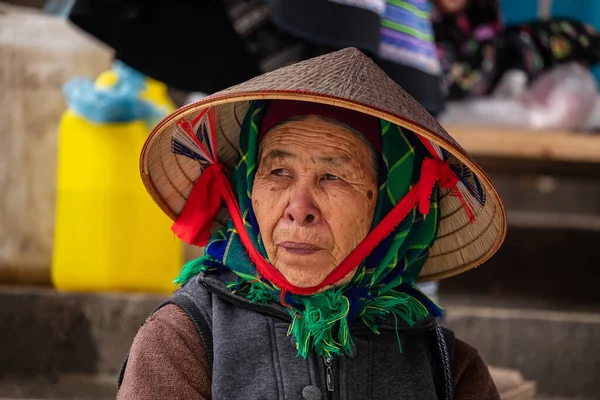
[195,221]
[202,206]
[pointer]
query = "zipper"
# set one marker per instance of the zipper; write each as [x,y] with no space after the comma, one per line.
[328,374]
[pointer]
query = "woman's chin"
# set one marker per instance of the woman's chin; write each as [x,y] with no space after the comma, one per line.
[306,276]
[303,275]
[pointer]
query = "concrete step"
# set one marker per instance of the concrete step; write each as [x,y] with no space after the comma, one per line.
[66,386]
[560,398]
[48,333]
[558,349]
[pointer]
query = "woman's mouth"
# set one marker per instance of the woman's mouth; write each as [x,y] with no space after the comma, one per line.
[299,248]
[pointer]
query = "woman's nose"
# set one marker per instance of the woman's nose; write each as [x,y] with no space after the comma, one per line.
[301,209]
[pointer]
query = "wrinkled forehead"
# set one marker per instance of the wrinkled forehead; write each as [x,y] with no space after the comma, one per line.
[319,140]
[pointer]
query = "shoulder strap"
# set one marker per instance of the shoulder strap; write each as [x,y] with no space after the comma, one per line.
[184,302]
[193,312]
[443,352]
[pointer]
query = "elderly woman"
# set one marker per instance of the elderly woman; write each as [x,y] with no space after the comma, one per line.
[341,193]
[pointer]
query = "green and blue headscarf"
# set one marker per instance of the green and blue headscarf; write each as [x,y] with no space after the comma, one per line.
[383,285]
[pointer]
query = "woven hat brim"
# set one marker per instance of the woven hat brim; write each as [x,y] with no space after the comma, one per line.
[460,244]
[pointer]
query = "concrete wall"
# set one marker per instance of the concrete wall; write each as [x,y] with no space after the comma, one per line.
[38,54]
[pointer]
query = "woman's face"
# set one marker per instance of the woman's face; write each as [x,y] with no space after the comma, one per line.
[314,197]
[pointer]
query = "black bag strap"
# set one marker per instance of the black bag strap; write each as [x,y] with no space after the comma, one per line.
[184,302]
[443,350]
[195,315]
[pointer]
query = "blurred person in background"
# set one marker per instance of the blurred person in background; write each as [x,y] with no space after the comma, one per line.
[476,49]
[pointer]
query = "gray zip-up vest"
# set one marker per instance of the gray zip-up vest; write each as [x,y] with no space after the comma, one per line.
[252,356]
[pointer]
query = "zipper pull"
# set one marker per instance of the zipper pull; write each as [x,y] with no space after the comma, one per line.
[328,373]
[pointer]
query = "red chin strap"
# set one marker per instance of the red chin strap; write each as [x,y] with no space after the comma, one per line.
[199,213]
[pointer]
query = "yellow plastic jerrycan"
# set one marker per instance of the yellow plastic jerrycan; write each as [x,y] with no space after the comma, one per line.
[109,235]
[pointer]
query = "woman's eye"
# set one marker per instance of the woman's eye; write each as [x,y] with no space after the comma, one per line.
[330,177]
[280,172]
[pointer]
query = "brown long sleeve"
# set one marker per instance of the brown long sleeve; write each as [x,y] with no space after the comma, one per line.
[472,379]
[168,361]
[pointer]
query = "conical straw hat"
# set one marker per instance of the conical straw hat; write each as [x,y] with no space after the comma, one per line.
[348,79]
